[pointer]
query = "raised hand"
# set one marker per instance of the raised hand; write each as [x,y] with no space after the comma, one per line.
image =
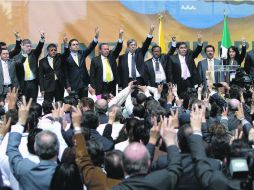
[76,117]
[12,98]
[155,131]
[196,118]
[4,127]
[97,32]
[168,133]
[121,31]
[65,39]
[17,35]
[200,37]
[24,110]
[42,34]
[151,29]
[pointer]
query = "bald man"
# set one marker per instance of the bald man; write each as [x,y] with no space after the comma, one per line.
[136,163]
[101,107]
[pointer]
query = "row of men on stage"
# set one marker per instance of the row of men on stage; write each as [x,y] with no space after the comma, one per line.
[57,72]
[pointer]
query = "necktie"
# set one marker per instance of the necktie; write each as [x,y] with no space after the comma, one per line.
[108,69]
[133,66]
[211,71]
[51,60]
[28,72]
[157,66]
[76,59]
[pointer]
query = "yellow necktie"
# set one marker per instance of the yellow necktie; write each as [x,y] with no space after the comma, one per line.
[108,69]
[28,72]
[52,66]
[211,71]
[76,58]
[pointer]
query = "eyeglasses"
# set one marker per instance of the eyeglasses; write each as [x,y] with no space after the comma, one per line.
[53,50]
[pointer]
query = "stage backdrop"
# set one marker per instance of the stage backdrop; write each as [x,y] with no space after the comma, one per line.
[78,19]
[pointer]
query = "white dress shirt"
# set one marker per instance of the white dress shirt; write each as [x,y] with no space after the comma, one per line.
[184,68]
[159,75]
[103,60]
[116,128]
[130,65]
[6,75]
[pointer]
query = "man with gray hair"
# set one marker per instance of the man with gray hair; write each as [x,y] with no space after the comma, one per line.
[29,174]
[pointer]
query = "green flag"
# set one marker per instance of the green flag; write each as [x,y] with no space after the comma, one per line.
[226,40]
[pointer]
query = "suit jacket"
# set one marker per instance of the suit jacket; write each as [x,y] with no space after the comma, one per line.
[93,176]
[12,74]
[76,76]
[47,74]
[209,179]
[203,67]
[150,74]
[175,72]
[29,174]
[188,180]
[162,179]
[96,69]
[33,63]
[123,69]
[249,63]
[16,49]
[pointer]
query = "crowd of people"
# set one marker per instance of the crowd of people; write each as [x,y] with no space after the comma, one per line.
[174,124]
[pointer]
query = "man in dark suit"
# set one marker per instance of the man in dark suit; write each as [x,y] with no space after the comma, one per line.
[207,66]
[8,78]
[103,70]
[249,63]
[131,65]
[51,73]
[183,71]
[27,67]
[157,68]
[136,163]
[76,74]
[17,47]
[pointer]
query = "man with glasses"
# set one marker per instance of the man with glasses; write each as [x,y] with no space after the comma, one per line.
[27,67]
[51,73]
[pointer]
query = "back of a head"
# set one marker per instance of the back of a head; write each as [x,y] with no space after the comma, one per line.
[31,139]
[95,150]
[139,111]
[233,104]
[113,164]
[47,107]
[220,147]
[46,145]
[70,100]
[90,120]
[182,134]
[32,120]
[66,177]
[235,92]
[140,98]
[136,159]
[37,108]
[87,102]
[101,106]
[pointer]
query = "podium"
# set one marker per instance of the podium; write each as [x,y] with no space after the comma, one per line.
[225,73]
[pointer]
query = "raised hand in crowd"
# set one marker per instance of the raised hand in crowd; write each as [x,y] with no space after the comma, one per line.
[76,117]
[4,127]
[58,111]
[238,135]
[196,118]
[155,131]
[174,116]
[42,33]
[12,97]
[240,113]
[168,132]
[24,111]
